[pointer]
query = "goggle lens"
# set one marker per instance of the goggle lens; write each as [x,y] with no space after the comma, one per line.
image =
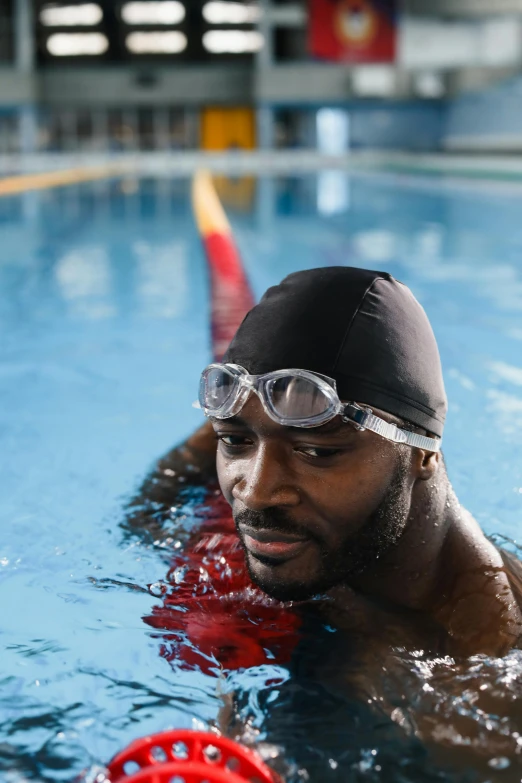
[217,388]
[297,398]
[290,399]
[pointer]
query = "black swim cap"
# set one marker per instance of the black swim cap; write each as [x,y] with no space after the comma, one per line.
[364,329]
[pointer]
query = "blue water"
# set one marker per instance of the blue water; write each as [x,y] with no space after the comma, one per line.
[104,324]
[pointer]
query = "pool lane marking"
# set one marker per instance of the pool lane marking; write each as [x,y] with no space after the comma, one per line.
[54,179]
[208,210]
[231,295]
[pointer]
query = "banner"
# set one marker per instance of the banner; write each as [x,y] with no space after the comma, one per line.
[353,31]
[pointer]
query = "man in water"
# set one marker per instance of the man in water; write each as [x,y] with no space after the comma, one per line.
[328,412]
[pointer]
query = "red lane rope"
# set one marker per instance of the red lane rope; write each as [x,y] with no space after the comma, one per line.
[213,616]
[231,295]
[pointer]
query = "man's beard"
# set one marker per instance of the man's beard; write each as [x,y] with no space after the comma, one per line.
[355,555]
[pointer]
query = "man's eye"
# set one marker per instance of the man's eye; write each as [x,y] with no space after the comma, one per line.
[318,453]
[232,441]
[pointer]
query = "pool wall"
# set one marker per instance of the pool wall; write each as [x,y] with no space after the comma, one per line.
[486,120]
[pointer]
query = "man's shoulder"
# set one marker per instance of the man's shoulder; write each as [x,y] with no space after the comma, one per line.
[513,566]
[482,592]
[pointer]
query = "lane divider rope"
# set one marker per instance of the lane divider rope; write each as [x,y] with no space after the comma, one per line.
[53,179]
[231,295]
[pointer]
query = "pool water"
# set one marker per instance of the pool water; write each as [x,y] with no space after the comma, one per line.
[104,323]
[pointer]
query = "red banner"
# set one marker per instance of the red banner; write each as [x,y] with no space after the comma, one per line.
[355,31]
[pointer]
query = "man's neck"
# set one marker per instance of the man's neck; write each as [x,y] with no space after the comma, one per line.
[408,573]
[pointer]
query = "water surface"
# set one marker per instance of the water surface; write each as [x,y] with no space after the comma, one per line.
[104,323]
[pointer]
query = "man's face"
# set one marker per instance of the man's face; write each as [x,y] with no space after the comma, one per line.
[313,507]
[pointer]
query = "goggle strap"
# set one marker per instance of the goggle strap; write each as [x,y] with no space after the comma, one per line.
[364,419]
[421,441]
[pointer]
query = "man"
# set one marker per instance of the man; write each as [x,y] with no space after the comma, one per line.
[328,412]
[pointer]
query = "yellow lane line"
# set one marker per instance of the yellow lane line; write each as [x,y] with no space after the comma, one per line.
[208,210]
[55,179]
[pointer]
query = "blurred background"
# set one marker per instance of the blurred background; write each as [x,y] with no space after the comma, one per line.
[127,77]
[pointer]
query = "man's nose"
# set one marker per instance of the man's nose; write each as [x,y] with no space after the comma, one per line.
[266,481]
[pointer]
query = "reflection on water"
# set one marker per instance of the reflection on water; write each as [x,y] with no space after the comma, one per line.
[83,279]
[333,192]
[105,327]
[161,278]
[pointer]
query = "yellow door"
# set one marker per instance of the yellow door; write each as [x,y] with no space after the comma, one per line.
[226,129]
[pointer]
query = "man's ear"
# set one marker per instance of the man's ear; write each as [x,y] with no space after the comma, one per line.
[426,463]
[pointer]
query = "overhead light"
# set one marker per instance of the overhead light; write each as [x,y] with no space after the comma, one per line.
[153,12]
[85,15]
[171,42]
[231,13]
[232,41]
[77,44]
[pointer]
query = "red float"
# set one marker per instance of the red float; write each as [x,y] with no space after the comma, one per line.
[186,756]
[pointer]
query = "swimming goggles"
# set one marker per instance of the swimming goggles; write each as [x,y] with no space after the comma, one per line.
[294,398]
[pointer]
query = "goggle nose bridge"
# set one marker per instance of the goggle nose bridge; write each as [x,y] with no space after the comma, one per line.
[249,384]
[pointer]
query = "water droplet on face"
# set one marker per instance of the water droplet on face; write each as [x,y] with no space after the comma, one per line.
[500,762]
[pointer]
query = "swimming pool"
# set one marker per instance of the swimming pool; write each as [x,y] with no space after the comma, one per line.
[104,314]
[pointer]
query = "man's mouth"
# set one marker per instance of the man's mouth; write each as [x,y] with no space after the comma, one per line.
[273,544]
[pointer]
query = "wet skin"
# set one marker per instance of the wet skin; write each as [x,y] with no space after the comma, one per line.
[441,574]
[334,509]
[439,586]
[302,498]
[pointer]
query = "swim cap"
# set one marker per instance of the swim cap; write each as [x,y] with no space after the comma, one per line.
[364,329]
